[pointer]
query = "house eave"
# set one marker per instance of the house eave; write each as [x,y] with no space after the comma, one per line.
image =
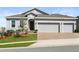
[25,18]
[17,18]
[54,18]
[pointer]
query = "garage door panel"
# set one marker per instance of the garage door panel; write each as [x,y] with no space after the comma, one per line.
[45,27]
[67,28]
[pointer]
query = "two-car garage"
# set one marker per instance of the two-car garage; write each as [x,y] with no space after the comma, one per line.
[55,27]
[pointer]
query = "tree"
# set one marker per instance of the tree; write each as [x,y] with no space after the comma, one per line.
[2,32]
[3,29]
[23,26]
[77,17]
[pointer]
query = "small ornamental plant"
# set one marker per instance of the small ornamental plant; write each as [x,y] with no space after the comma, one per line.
[17,33]
[35,31]
[76,31]
[10,32]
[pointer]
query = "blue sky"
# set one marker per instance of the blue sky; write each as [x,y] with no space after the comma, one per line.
[6,11]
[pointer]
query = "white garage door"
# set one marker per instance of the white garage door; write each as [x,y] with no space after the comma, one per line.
[48,27]
[67,28]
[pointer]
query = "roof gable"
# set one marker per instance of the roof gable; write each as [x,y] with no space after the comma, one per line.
[32,11]
[35,11]
[31,14]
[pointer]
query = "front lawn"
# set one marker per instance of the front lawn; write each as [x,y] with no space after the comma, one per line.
[27,37]
[16,45]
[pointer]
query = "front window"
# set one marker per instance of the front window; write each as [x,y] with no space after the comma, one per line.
[21,23]
[13,23]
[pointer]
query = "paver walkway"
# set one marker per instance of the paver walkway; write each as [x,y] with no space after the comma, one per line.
[48,36]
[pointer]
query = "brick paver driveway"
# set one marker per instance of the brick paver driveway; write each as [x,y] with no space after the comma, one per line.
[58,35]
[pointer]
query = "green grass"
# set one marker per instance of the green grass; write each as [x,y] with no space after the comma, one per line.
[28,37]
[16,45]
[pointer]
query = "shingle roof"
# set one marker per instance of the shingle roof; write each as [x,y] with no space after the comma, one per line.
[18,15]
[54,15]
[40,15]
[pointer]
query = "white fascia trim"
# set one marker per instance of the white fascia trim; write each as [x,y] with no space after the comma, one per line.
[53,18]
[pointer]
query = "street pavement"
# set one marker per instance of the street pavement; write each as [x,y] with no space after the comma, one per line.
[74,48]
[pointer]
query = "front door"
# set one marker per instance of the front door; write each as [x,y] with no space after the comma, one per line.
[31,24]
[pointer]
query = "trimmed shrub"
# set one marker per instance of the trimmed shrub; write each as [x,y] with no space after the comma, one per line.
[77,31]
[17,35]
[10,32]
[18,31]
[26,31]
[1,34]
[35,31]
[5,34]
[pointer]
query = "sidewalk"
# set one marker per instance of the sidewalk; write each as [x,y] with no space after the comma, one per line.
[53,43]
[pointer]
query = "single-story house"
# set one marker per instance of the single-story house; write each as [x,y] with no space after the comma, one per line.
[36,19]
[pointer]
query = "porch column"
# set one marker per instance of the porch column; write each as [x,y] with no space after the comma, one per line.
[37,25]
[28,24]
[60,27]
[74,26]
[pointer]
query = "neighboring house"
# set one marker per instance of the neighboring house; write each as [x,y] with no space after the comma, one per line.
[43,22]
